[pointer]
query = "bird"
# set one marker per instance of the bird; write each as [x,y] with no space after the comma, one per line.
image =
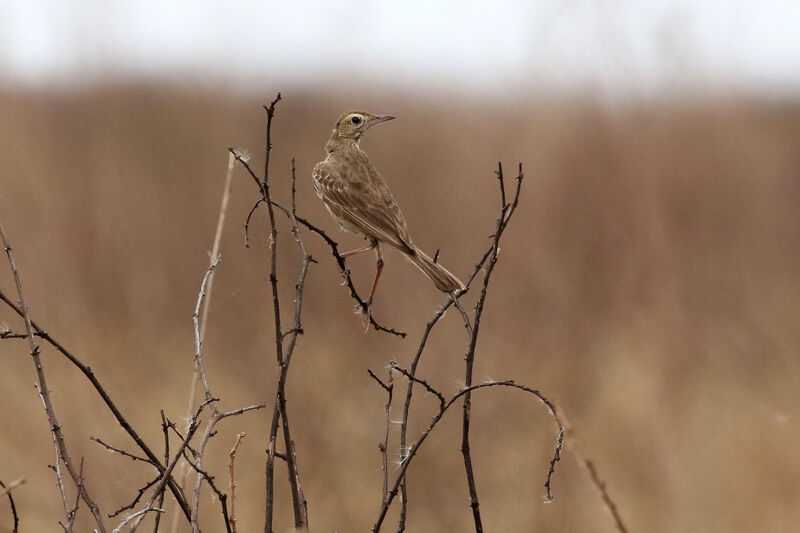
[360,200]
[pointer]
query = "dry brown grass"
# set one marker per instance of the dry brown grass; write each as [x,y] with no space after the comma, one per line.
[649,286]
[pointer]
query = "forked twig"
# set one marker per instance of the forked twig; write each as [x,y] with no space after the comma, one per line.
[167,475]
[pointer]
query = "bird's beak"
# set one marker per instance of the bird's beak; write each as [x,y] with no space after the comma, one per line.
[380,118]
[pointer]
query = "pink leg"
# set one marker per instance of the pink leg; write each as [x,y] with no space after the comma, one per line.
[372,244]
[379,255]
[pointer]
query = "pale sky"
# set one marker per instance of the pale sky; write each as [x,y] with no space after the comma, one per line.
[649,46]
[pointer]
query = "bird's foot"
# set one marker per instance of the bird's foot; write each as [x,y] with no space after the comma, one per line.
[364,311]
[346,275]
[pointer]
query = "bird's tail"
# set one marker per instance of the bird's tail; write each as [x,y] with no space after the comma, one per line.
[440,276]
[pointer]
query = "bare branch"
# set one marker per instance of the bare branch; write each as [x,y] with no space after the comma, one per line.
[384,446]
[5,490]
[422,382]
[160,499]
[139,493]
[121,420]
[232,455]
[119,451]
[345,272]
[247,222]
[198,337]
[73,513]
[44,392]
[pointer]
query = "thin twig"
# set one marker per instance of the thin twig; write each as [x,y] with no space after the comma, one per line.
[160,499]
[119,451]
[232,455]
[198,336]
[139,493]
[422,382]
[249,215]
[44,392]
[299,502]
[384,446]
[5,490]
[340,262]
[8,334]
[73,513]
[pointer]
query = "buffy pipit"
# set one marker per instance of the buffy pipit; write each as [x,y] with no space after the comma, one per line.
[359,199]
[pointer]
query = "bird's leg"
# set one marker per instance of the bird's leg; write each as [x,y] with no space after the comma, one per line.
[379,265]
[372,244]
[346,274]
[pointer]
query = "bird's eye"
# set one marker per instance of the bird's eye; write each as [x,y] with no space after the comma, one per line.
[356,120]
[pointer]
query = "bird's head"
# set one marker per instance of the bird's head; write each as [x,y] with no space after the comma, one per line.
[354,124]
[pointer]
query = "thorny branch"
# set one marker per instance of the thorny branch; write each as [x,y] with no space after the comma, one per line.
[283,352]
[384,446]
[44,392]
[232,456]
[121,420]
[73,513]
[119,451]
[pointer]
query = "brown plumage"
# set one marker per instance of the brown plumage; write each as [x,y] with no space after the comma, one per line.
[359,199]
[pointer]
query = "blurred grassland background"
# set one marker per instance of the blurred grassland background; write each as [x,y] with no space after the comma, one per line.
[648,283]
[648,286]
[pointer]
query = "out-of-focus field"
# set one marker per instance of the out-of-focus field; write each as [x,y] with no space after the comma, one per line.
[649,286]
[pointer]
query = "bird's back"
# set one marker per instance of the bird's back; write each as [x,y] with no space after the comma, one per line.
[357,196]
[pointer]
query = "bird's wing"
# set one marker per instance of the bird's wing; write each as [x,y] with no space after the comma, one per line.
[368,207]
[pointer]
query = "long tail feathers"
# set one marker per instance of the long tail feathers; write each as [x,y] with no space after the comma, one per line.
[440,276]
